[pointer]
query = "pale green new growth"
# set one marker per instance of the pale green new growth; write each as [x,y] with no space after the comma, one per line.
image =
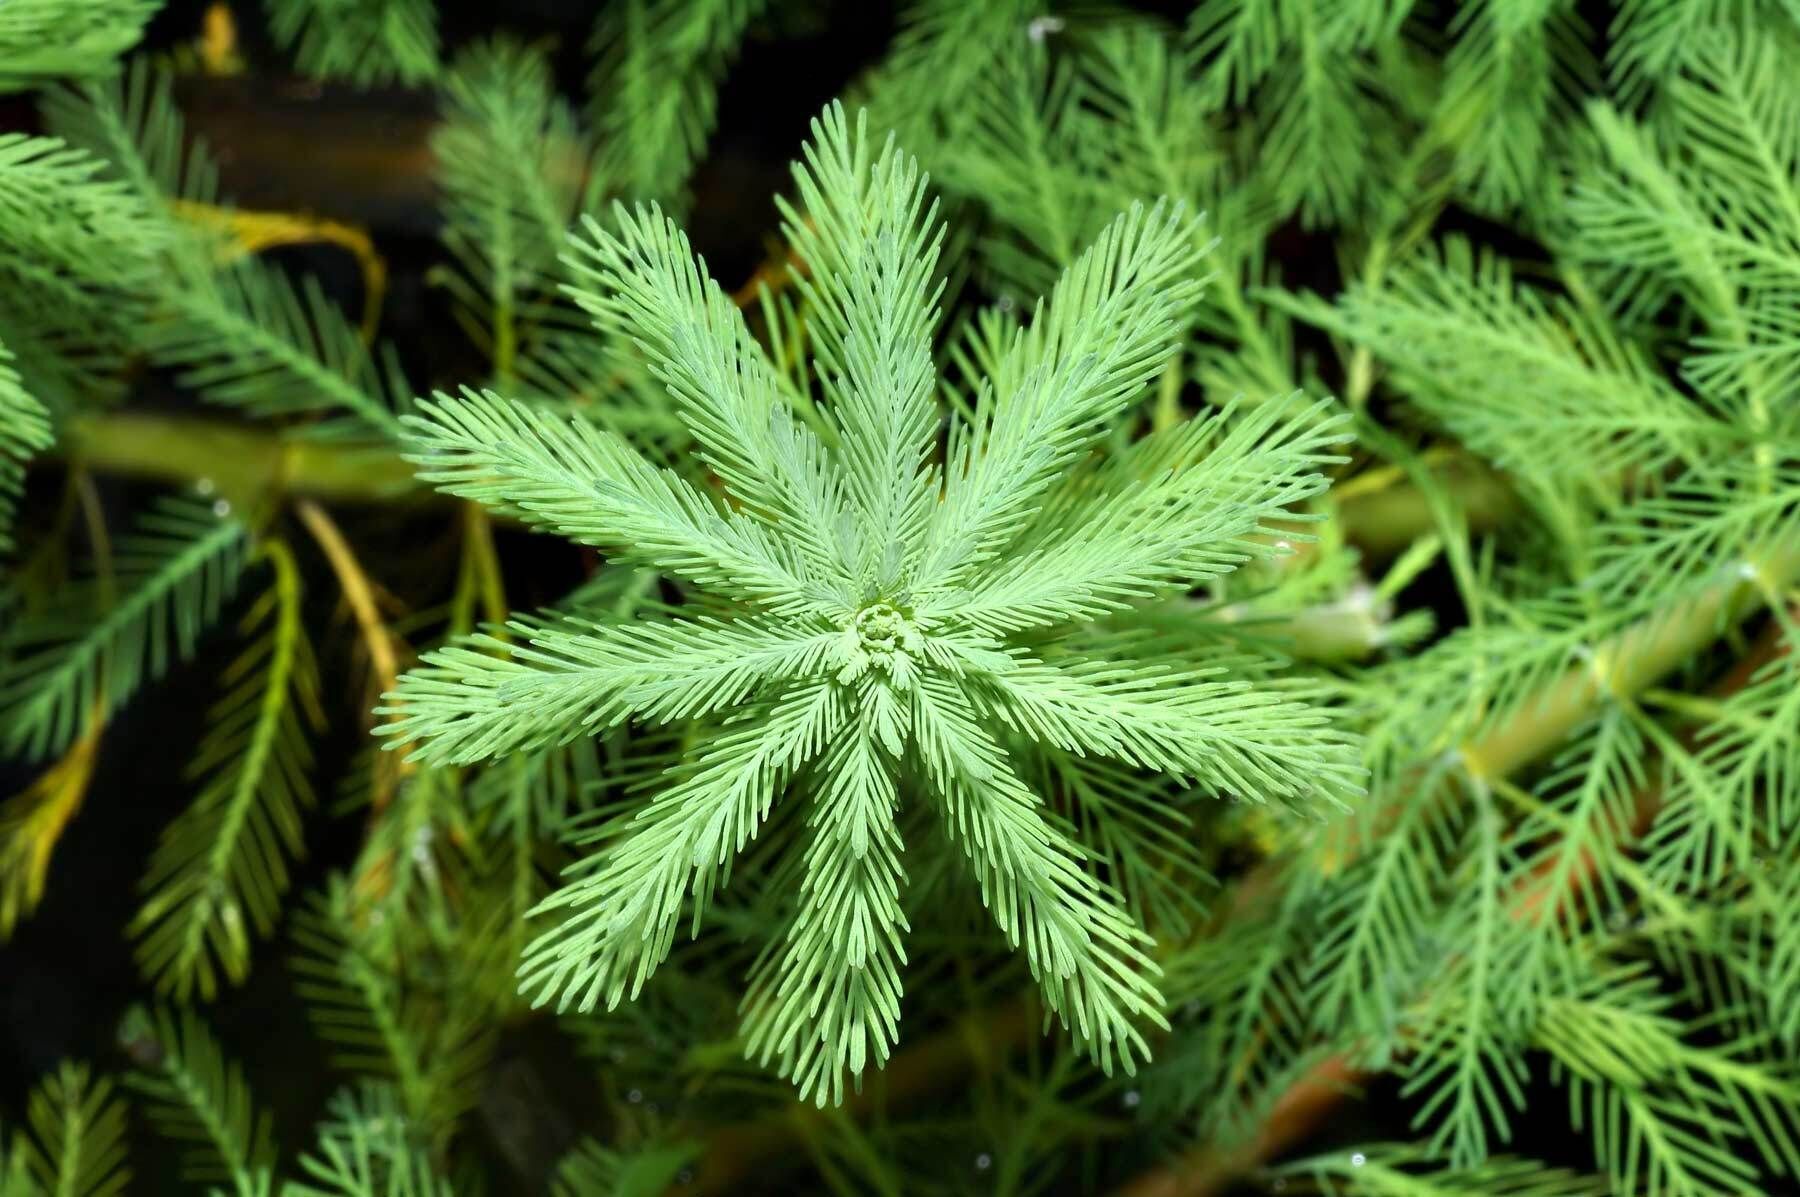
[887,624]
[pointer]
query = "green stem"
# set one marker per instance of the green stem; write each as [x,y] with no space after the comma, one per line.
[1383,523]
[241,461]
[1352,628]
[244,461]
[1627,665]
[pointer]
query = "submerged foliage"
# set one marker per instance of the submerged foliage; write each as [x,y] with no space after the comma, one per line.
[1378,416]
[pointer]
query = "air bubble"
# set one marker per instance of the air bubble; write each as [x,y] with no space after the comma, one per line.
[204,486]
[635,1096]
[1132,1097]
[983,1162]
[1357,1159]
[221,508]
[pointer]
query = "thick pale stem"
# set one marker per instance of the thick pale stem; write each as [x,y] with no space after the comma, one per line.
[245,461]
[242,461]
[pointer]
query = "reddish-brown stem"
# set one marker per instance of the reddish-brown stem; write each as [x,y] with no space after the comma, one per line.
[1299,1110]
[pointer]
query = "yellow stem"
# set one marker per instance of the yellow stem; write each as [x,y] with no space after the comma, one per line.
[379,641]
